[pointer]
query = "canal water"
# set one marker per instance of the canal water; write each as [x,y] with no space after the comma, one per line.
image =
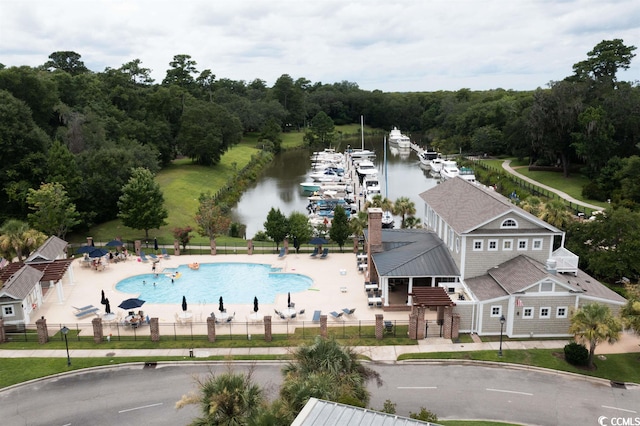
[279,185]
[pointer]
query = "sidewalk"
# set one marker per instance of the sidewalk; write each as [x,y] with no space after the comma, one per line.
[627,343]
[507,166]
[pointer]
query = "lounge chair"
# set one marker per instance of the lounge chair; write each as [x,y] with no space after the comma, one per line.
[348,311]
[164,253]
[86,312]
[336,315]
[325,253]
[143,257]
[301,313]
[316,316]
[293,316]
[84,308]
[154,258]
[314,253]
[283,252]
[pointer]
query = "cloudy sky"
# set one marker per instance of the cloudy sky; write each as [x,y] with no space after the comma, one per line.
[401,45]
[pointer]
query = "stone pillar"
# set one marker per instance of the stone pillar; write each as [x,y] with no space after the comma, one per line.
[154,327]
[375,230]
[455,327]
[211,329]
[286,246]
[3,335]
[136,246]
[379,326]
[323,326]
[176,247]
[90,241]
[213,247]
[250,247]
[268,333]
[413,321]
[421,323]
[43,334]
[97,330]
[355,245]
[447,328]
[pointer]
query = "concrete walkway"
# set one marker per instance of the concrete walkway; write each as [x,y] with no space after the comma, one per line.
[627,343]
[507,166]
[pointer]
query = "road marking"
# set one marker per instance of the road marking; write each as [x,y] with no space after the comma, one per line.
[619,409]
[139,408]
[508,391]
[417,387]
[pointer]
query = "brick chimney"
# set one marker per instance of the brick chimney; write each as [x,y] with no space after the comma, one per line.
[375,230]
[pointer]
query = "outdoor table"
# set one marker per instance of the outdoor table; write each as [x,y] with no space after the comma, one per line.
[185,314]
[288,312]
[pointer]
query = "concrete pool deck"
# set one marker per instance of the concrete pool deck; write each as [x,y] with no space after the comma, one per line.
[330,277]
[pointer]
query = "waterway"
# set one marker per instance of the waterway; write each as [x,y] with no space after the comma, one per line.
[279,185]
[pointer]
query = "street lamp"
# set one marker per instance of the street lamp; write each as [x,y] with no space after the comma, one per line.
[64,331]
[502,321]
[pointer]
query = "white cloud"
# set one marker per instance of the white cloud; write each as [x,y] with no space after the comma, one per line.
[402,45]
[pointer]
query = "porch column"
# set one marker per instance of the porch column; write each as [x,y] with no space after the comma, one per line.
[3,335]
[409,291]
[59,291]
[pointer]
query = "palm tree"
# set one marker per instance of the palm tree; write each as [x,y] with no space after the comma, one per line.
[413,222]
[377,201]
[533,205]
[326,370]
[18,240]
[404,207]
[226,399]
[595,324]
[555,213]
[630,313]
[358,223]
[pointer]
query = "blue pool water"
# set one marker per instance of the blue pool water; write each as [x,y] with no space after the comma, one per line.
[237,283]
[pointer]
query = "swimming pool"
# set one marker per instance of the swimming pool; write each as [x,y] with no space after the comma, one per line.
[237,283]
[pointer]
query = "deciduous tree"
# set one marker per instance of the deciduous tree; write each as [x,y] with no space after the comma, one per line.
[339,231]
[276,226]
[141,205]
[53,211]
[211,218]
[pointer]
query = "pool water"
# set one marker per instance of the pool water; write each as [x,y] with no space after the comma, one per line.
[237,283]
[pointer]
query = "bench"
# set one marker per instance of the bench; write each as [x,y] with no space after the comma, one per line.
[316,316]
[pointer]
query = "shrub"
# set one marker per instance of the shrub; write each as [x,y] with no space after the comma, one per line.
[389,407]
[424,415]
[576,354]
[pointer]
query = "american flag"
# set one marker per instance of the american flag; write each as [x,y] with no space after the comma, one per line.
[519,303]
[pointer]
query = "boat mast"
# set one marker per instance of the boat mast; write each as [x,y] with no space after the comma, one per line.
[386,182]
[362,130]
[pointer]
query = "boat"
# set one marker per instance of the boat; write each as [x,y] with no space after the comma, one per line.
[425,157]
[310,186]
[467,174]
[436,165]
[449,170]
[387,220]
[396,137]
[360,153]
[366,168]
[371,186]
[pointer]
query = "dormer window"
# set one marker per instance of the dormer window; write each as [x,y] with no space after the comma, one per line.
[509,223]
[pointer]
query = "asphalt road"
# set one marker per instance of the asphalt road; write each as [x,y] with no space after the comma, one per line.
[138,396]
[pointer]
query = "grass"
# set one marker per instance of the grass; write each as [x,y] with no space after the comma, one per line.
[616,367]
[473,423]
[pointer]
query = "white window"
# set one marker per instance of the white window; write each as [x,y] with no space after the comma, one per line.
[561,312]
[496,311]
[457,244]
[527,313]
[477,245]
[507,245]
[522,244]
[536,244]
[509,223]
[545,312]
[492,245]
[7,311]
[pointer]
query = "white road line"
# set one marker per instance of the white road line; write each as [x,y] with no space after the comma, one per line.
[139,408]
[417,387]
[619,409]
[508,391]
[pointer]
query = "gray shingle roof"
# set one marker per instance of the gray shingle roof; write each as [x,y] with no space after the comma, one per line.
[465,205]
[521,272]
[413,253]
[21,282]
[49,250]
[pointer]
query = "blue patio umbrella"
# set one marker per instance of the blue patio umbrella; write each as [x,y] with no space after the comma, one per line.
[98,252]
[318,241]
[131,303]
[85,249]
[114,243]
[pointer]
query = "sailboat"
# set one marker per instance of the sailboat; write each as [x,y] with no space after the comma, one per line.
[361,153]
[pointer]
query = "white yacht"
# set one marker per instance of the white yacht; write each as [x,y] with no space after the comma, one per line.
[436,165]
[449,169]
[396,137]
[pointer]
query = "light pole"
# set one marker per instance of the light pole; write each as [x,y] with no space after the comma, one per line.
[502,321]
[64,331]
